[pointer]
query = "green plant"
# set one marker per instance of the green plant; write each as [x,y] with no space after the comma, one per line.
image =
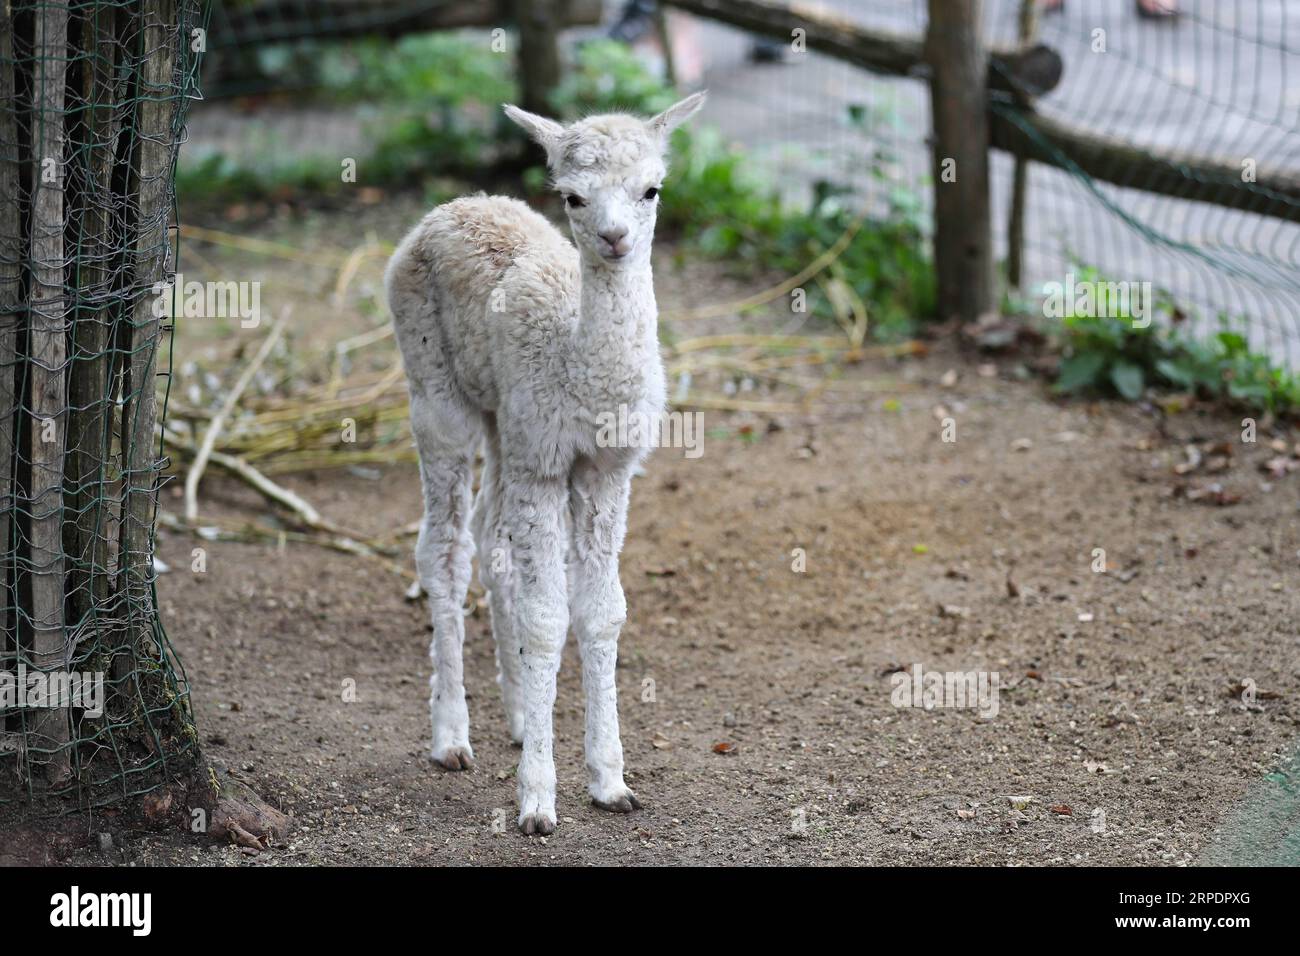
[434,102]
[725,208]
[606,77]
[1114,354]
[429,103]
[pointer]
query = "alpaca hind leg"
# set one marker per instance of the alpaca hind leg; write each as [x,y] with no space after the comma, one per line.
[447,439]
[494,560]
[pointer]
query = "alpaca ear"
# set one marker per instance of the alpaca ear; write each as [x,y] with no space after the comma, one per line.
[677,114]
[544,131]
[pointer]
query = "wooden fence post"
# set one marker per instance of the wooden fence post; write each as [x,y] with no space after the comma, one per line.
[1027,24]
[963,246]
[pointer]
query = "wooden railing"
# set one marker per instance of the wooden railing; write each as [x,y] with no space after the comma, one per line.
[985,98]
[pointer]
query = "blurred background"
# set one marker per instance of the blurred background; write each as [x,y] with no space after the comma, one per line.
[326,129]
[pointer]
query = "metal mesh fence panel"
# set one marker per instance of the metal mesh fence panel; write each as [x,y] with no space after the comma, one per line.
[93,704]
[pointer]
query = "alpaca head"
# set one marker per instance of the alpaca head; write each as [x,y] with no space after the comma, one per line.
[609,169]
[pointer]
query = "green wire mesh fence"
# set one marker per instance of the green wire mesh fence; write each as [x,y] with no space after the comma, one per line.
[93,704]
[1179,163]
[1201,193]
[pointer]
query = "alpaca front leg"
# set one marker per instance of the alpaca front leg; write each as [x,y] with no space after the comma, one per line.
[540,615]
[598,504]
[599,614]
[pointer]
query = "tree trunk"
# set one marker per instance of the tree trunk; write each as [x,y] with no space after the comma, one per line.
[151,189]
[91,103]
[97,223]
[47,354]
[11,306]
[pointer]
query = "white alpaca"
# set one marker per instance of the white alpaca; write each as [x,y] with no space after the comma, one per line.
[513,338]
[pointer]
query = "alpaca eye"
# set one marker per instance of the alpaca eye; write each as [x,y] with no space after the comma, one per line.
[575,202]
[651,193]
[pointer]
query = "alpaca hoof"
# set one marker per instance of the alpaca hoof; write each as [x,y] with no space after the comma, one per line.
[624,802]
[517,734]
[538,824]
[455,758]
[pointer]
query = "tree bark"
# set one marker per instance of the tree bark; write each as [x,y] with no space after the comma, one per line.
[150,189]
[90,384]
[47,356]
[11,305]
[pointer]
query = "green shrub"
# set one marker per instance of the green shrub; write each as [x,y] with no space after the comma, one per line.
[608,77]
[429,103]
[1112,355]
[437,102]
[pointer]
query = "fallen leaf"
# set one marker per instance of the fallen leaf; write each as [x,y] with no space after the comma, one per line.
[1061,810]
[1236,690]
[724,747]
[1214,494]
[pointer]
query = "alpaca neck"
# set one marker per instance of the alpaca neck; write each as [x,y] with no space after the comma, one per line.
[617,303]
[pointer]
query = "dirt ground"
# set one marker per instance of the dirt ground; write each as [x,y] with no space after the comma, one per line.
[756,697]
[1115,687]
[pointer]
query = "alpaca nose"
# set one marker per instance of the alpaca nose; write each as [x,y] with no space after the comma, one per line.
[615,237]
